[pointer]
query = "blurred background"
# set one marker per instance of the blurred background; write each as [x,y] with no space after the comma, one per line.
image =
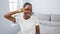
[39,7]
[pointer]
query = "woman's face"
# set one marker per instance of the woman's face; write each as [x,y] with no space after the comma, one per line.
[28,10]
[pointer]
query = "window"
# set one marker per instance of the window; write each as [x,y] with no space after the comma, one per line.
[13,5]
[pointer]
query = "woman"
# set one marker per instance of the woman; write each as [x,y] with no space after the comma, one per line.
[28,22]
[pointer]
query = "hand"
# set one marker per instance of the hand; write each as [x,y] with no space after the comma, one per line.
[20,10]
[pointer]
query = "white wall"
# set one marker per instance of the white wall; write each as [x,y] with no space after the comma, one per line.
[3,9]
[46,6]
[20,3]
[6,26]
[27,1]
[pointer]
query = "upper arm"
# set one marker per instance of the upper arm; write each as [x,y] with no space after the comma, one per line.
[37,28]
[10,18]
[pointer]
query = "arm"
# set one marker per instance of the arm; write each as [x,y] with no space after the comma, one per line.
[9,15]
[37,29]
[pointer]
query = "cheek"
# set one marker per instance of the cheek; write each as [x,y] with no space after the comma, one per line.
[28,12]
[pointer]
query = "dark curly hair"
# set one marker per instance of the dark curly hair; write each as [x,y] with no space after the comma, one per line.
[27,4]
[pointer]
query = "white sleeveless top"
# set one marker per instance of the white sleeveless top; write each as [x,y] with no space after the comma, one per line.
[27,26]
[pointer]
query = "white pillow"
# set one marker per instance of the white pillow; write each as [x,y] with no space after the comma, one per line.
[44,17]
[55,17]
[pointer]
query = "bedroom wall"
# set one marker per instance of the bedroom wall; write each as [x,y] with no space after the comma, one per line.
[46,6]
[3,9]
[6,26]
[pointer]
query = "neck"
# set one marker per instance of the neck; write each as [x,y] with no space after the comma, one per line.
[26,17]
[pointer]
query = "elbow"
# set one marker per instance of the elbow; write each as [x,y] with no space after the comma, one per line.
[6,16]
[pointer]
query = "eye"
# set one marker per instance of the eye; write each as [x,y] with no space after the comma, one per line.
[26,9]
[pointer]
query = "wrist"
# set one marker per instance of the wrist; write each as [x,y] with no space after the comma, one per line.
[16,11]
